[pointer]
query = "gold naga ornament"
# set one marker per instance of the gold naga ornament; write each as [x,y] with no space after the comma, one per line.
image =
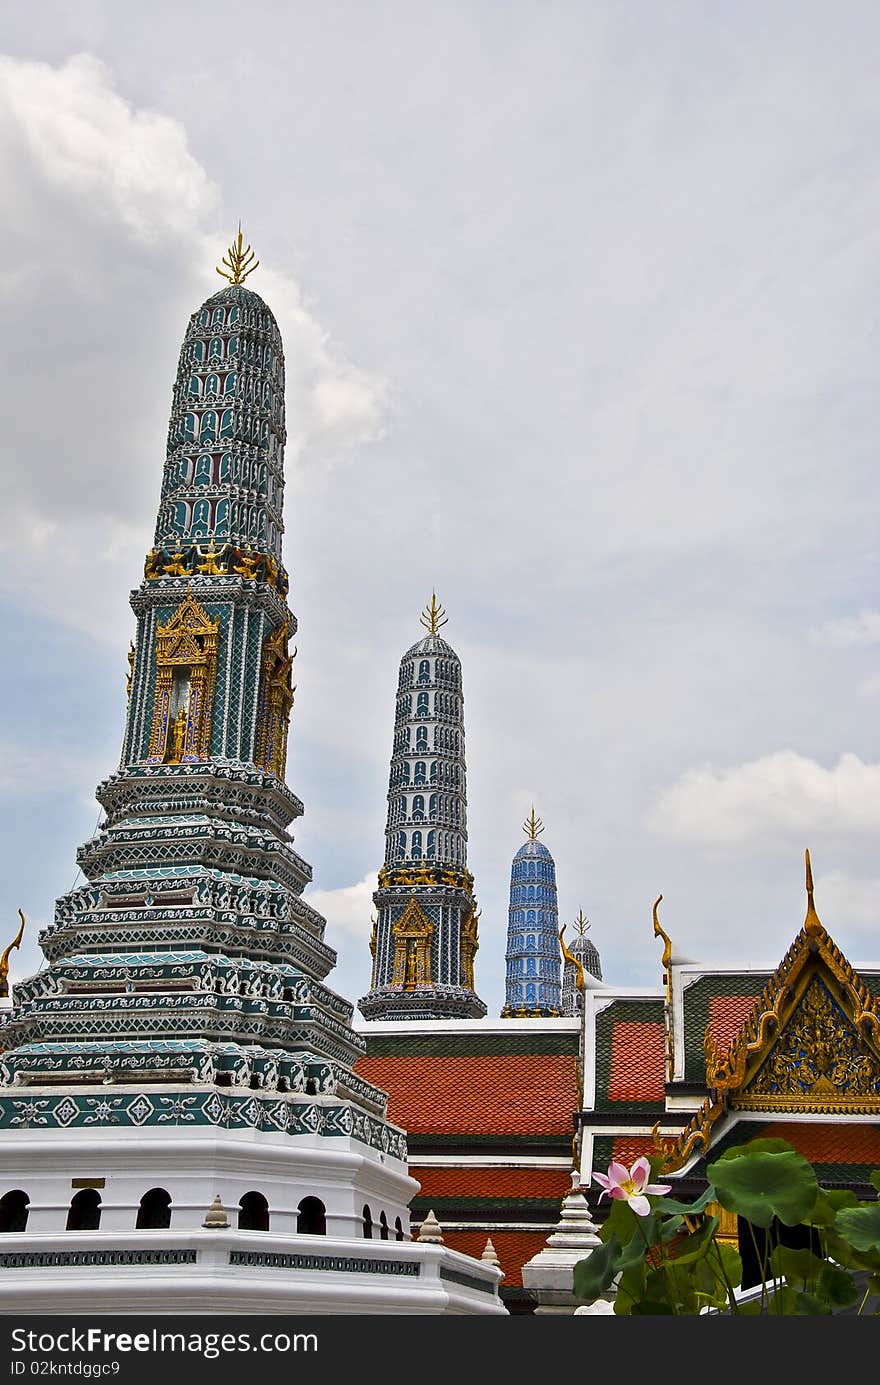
[4,960]
[666,961]
[239,261]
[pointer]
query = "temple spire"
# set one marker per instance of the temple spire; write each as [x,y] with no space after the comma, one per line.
[239,261]
[426,936]
[532,977]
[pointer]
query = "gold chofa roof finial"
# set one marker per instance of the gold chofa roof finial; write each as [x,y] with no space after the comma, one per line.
[239,261]
[581,923]
[4,960]
[532,826]
[660,932]
[812,922]
[433,616]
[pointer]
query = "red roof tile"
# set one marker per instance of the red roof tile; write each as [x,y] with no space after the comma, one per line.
[482,1182]
[628,1148]
[727,1014]
[638,1064]
[514,1249]
[842,1142]
[525,1094]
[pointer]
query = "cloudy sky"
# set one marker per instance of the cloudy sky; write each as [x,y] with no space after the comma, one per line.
[580,310]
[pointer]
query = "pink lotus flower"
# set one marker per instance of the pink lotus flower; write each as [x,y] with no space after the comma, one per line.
[631,1184]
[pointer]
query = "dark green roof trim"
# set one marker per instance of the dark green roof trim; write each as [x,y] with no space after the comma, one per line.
[621,1120]
[517,1144]
[471,1045]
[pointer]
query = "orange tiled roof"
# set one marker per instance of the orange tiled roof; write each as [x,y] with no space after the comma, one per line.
[628,1148]
[514,1249]
[846,1142]
[522,1094]
[727,1013]
[483,1182]
[638,1063]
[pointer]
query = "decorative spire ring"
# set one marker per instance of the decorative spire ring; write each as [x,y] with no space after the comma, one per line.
[433,616]
[239,261]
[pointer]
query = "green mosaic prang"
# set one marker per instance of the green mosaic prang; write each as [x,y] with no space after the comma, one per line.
[696,1012]
[648,1011]
[196,856]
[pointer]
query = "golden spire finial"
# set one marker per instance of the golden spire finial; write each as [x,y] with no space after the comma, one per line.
[4,960]
[239,260]
[532,826]
[581,923]
[812,922]
[433,616]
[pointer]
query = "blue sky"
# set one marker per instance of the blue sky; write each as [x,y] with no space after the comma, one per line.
[580,305]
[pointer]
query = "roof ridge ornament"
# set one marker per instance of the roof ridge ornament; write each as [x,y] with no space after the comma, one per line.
[4,960]
[812,922]
[666,959]
[239,261]
[533,826]
[433,616]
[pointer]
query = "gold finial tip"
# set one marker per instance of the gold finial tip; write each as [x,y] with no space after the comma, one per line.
[581,923]
[239,261]
[433,616]
[812,922]
[533,826]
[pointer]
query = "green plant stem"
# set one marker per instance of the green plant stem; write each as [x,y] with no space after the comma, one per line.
[864,1301]
[761,1262]
[663,1265]
[731,1296]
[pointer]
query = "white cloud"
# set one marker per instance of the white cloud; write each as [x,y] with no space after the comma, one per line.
[863,629]
[129,166]
[112,246]
[848,902]
[780,796]
[348,910]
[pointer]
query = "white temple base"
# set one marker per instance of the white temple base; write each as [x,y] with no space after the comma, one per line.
[229,1272]
[549,1275]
